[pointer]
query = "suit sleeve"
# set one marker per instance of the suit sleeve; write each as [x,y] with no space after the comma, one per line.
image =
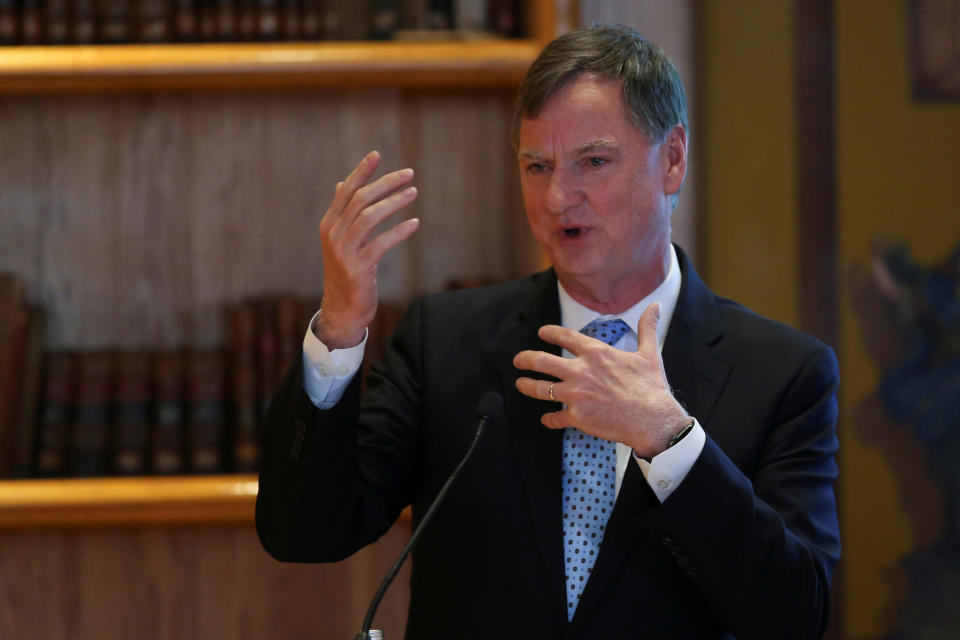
[760,544]
[335,480]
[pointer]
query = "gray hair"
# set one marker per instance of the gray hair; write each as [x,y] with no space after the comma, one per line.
[652,90]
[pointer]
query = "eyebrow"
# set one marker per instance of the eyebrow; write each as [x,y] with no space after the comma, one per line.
[603,144]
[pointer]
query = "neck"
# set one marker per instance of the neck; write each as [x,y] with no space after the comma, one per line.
[615,296]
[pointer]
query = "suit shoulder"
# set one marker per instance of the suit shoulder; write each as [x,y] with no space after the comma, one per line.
[488,301]
[752,333]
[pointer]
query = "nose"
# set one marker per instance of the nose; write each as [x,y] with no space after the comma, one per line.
[562,192]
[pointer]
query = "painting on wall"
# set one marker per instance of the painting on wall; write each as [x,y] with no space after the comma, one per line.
[935,49]
[910,321]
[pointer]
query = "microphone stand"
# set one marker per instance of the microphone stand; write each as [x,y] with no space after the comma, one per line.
[487,410]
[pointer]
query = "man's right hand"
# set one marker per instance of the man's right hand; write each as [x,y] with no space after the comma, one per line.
[351,255]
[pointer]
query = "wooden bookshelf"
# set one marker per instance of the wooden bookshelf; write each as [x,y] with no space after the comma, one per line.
[340,65]
[72,502]
[488,63]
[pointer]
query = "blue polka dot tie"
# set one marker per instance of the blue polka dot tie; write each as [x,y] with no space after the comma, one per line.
[589,472]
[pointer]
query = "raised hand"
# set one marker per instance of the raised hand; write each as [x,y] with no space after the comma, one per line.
[351,254]
[609,393]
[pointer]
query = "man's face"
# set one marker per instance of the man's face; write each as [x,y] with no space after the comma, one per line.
[598,192]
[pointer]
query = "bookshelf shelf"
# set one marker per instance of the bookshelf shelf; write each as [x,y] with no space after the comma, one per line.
[71,502]
[484,63]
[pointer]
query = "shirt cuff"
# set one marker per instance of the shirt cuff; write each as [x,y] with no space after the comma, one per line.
[326,374]
[666,471]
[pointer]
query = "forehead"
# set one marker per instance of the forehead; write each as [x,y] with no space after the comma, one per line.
[586,109]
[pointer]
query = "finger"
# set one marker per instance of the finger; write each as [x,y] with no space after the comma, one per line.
[379,245]
[557,419]
[647,329]
[359,231]
[358,177]
[370,195]
[543,362]
[572,341]
[538,389]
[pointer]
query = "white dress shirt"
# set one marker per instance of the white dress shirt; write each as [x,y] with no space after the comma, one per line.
[326,375]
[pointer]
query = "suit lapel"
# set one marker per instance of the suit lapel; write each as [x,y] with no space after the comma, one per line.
[537,448]
[697,375]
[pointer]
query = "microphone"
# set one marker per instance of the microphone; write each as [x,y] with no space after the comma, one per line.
[488,410]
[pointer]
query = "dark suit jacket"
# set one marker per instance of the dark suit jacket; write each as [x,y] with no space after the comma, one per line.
[745,545]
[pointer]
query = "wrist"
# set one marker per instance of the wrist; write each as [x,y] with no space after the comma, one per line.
[335,335]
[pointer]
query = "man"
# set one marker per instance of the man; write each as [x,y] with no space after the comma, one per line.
[621,493]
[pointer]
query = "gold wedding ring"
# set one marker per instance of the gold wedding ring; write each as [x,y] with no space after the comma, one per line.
[552,399]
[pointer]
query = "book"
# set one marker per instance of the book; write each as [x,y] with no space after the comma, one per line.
[89,441]
[311,20]
[291,25]
[291,324]
[185,27]
[83,22]
[31,22]
[154,21]
[30,393]
[268,20]
[266,364]
[205,418]
[506,18]
[56,413]
[244,348]
[384,19]
[226,20]
[168,418]
[131,416]
[9,23]
[346,20]
[14,321]
[57,21]
[114,20]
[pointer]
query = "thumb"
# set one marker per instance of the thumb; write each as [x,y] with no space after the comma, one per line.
[647,328]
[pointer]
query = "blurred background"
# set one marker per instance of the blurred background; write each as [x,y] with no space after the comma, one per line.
[163,167]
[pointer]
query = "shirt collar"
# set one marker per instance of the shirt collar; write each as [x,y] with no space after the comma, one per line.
[576,316]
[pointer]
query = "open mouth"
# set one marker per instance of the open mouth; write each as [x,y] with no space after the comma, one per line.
[572,232]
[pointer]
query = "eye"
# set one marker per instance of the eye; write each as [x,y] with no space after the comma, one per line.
[596,161]
[536,167]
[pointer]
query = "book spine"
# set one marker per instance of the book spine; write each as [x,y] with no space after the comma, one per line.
[206,417]
[154,21]
[246,20]
[311,18]
[384,19]
[14,325]
[291,25]
[83,22]
[89,450]
[9,23]
[268,20]
[31,22]
[132,414]
[57,22]
[168,418]
[56,414]
[30,394]
[246,441]
[206,20]
[227,21]
[114,21]
[185,27]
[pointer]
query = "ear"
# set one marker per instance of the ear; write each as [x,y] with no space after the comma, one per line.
[675,159]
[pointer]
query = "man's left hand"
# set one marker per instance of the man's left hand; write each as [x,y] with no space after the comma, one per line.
[613,394]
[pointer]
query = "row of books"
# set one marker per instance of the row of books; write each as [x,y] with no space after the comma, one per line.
[61,22]
[138,411]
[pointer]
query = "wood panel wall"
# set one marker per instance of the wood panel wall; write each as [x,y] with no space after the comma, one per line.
[188,583]
[133,218]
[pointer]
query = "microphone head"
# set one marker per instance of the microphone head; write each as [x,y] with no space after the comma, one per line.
[490,406]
